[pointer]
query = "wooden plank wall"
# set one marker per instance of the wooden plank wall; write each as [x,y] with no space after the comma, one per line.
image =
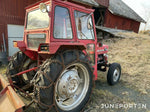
[114,21]
[13,11]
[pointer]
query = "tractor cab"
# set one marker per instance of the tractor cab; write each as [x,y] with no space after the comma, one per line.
[56,25]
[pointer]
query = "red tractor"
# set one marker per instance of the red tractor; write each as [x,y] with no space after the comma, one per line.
[59,56]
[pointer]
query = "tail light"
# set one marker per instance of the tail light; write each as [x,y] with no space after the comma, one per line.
[15,44]
[91,52]
[44,47]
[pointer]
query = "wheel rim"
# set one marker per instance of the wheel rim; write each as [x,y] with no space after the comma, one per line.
[71,87]
[116,74]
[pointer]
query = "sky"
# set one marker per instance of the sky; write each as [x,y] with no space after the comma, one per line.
[141,7]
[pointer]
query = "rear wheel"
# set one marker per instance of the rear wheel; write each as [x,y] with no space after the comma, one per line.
[28,64]
[18,63]
[64,82]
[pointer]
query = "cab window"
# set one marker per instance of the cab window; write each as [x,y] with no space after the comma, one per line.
[84,25]
[37,20]
[62,23]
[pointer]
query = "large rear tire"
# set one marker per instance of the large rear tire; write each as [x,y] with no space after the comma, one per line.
[18,63]
[64,83]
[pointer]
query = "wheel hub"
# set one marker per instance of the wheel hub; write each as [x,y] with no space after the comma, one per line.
[116,75]
[68,84]
[72,86]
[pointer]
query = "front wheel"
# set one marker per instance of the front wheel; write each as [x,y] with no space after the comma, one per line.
[66,82]
[114,74]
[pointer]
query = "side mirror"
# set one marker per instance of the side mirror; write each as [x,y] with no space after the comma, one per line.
[43,7]
[89,23]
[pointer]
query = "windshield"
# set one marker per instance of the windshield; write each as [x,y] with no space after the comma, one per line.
[37,20]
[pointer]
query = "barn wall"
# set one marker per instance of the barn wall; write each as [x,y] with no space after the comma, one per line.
[12,12]
[114,21]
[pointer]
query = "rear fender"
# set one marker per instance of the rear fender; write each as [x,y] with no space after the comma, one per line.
[55,47]
[31,54]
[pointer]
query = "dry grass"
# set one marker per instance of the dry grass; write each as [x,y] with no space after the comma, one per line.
[2,69]
[147,32]
[134,56]
[133,35]
[100,97]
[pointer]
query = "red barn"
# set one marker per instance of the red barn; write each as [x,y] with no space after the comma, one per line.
[118,16]
[121,16]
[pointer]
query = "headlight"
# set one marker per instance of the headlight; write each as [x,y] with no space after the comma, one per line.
[15,44]
[43,7]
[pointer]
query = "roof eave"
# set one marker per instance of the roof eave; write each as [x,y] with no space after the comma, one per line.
[91,3]
[143,21]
